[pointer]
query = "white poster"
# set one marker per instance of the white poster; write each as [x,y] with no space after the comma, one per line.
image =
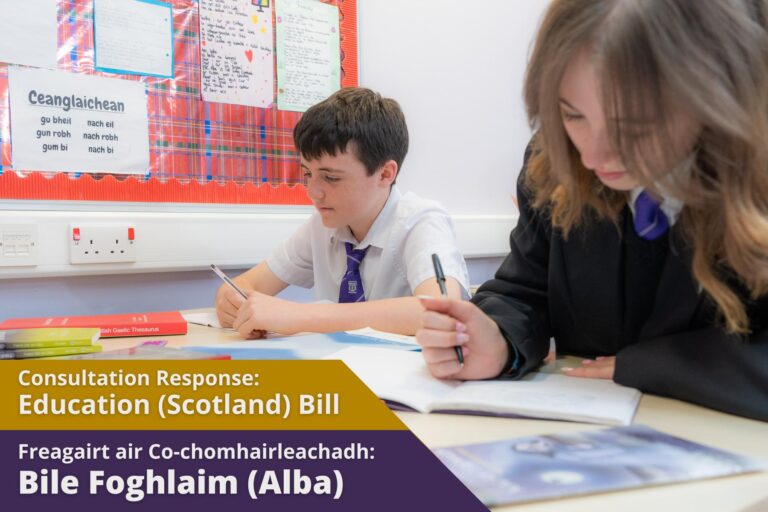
[236,57]
[69,122]
[308,54]
[28,32]
[133,37]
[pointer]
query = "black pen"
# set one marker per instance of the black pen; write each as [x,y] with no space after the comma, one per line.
[440,277]
[228,281]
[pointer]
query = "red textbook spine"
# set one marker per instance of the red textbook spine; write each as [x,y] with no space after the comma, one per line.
[111,326]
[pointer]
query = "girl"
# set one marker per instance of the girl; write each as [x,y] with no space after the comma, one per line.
[643,233]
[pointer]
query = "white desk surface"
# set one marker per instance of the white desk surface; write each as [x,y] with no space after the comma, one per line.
[745,493]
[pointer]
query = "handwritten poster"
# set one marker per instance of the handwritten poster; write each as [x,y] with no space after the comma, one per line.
[68,122]
[236,56]
[308,56]
[28,32]
[133,37]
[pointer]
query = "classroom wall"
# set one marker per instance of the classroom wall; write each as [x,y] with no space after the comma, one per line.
[89,295]
[455,67]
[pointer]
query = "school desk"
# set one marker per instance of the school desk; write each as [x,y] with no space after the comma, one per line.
[743,493]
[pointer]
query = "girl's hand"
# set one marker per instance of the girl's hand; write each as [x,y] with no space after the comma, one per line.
[448,323]
[600,368]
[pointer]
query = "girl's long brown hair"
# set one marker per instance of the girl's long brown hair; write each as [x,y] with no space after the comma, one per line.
[708,58]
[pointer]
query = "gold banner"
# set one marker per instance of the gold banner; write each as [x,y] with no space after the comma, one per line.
[187,395]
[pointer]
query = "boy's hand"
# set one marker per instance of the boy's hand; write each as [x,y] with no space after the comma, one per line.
[227,302]
[262,313]
[447,323]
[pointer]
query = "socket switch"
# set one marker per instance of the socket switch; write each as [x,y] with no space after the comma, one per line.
[102,243]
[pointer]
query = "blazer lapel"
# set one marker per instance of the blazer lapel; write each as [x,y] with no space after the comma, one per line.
[677,296]
[592,264]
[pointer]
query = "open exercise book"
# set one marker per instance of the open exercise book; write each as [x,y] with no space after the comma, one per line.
[402,380]
[552,466]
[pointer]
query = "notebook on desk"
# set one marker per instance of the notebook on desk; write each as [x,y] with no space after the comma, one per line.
[402,380]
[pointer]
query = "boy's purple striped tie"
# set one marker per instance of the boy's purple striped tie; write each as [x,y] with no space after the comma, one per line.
[351,289]
[650,221]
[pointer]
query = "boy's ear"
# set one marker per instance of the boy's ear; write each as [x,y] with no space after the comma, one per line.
[388,173]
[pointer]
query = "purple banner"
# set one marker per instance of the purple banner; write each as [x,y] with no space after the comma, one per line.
[235,470]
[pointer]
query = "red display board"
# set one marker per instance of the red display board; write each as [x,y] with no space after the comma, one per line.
[200,152]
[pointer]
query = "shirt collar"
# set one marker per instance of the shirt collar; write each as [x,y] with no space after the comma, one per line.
[377,235]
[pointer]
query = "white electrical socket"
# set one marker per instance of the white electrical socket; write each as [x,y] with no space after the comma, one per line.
[18,245]
[102,243]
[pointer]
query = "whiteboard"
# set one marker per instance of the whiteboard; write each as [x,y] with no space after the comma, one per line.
[456,68]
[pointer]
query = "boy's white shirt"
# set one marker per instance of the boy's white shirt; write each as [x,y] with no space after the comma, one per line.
[402,239]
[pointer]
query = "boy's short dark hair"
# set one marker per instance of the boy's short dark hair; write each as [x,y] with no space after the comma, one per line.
[376,125]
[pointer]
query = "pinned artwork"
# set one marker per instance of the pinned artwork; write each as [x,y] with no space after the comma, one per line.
[211,130]
[308,69]
[133,37]
[236,57]
[28,33]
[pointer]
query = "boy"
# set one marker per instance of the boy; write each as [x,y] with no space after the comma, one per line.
[366,247]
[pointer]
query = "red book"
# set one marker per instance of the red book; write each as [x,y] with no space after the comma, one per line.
[112,326]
